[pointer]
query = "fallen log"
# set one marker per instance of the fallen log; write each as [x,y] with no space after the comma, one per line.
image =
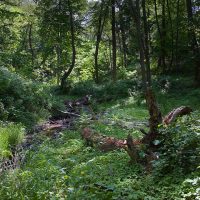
[177,112]
[106,143]
[52,125]
[102,142]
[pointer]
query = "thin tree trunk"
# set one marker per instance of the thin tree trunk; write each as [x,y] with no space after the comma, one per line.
[122,30]
[159,32]
[106,58]
[156,13]
[161,59]
[163,37]
[67,73]
[58,52]
[135,10]
[120,45]
[114,49]
[30,44]
[177,35]
[98,40]
[154,112]
[194,44]
[110,54]
[146,39]
[172,36]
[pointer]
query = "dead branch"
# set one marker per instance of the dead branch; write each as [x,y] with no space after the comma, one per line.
[69,113]
[172,116]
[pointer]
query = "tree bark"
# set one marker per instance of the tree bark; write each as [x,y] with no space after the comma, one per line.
[146,42]
[67,73]
[154,120]
[114,49]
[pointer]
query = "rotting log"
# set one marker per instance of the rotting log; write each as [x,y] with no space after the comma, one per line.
[102,142]
[106,143]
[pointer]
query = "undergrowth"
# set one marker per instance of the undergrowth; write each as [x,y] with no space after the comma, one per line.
[65,168]
[22,100]
[11,135]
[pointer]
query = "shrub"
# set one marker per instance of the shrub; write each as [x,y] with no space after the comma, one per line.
[21,100]
[117,90]
[180,146]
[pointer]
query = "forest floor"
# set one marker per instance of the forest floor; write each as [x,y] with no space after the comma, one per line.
[59,165]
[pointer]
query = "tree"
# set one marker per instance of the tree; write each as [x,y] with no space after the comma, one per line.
[193,41]
[135,10]
[67,73]
[114,48]
[101,21]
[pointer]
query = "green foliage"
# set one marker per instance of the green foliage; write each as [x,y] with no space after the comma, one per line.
[21,100]
[109,90]
[10,136]
[191,186]
[180,146]
[178,90]
[66,169]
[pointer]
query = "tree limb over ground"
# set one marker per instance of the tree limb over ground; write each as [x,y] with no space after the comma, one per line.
[172,116]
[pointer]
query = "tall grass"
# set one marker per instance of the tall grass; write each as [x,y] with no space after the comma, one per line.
[10,136]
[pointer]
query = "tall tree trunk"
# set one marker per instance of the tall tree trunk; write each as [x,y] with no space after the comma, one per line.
[67,73]
[114,49]
[146,42]
[101,21]
[156,15]
[163,37]
[155,114]
[135,10]
[177,35]
[172,35]
[110,54]
[161,31]
[119,42]
[59,53]
[193,41]
[122,30]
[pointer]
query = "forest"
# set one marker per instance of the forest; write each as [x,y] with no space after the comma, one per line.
[100,99]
